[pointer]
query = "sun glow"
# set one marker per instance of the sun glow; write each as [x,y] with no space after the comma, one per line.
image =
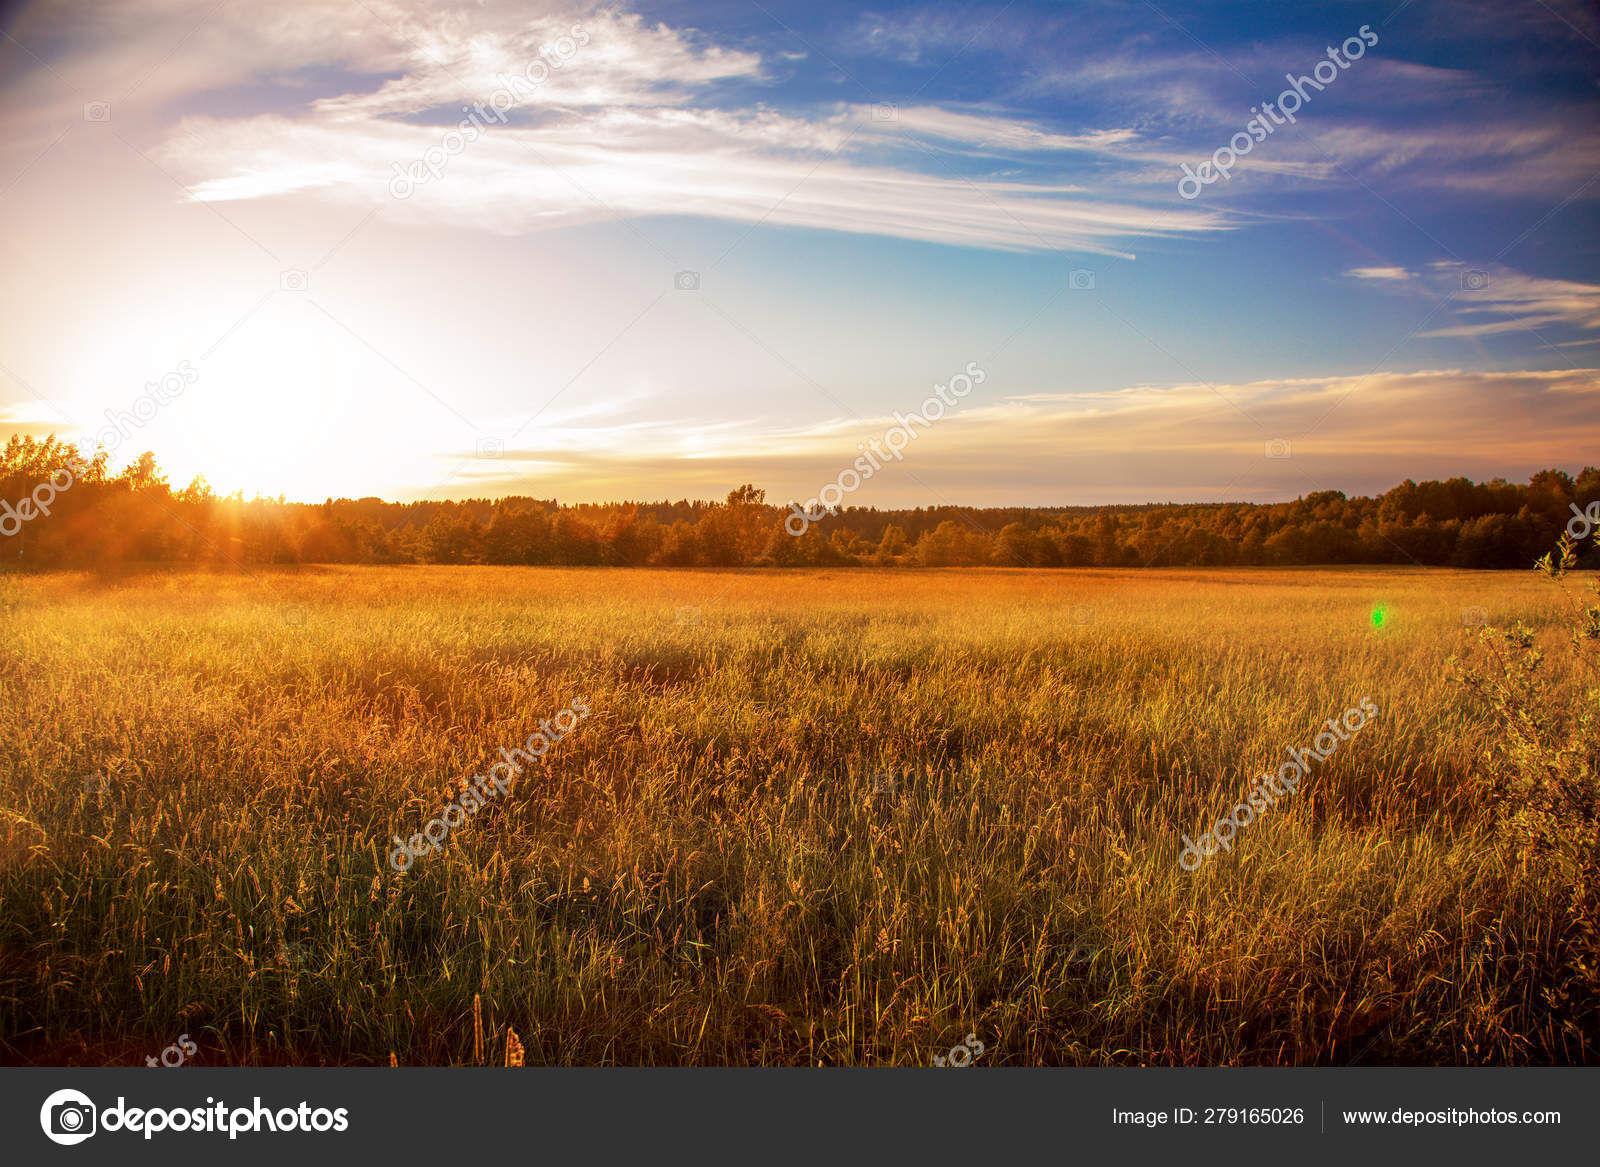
[284,406]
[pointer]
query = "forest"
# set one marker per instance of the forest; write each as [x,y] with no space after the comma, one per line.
[61,510]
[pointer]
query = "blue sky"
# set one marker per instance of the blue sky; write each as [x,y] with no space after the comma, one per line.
[1402,281]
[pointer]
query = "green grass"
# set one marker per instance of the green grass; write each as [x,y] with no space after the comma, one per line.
[702,873]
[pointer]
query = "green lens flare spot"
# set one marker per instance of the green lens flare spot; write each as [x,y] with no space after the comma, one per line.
[1380,616]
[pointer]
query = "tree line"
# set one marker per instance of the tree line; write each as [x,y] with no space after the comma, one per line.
[90,517]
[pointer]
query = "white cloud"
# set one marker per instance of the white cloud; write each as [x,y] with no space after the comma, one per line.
[986,130]
[1511,301]
[601,60]
[1497,299]
[1379,273]
[628,125]
[582,169]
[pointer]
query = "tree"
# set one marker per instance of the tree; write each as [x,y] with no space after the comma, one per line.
[892,547]
[452,538]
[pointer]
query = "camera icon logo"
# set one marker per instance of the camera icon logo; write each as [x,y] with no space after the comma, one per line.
[687,281]
[885,111]
[1474,280]
[294,616]
[1080,279]
[67,1117]
[491,448]
[293,280]
[1474,617]
[1082,614]
[97,111]
[1278,448]
[687,615]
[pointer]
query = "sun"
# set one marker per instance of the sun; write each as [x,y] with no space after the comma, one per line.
[286,407]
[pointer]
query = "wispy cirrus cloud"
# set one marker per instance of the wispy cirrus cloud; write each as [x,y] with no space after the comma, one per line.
[1511,301]
[1379,273]
[1496,299]
[517,180]
[630,125]
[1398,120]
[1186,442]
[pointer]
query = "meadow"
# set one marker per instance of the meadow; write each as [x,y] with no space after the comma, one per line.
[814,818]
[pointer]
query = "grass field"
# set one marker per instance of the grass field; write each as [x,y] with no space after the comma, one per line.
[813,818]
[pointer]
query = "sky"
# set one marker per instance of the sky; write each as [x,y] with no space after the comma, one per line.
[1197,252]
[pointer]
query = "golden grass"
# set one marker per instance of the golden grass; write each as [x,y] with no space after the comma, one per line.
[706,872]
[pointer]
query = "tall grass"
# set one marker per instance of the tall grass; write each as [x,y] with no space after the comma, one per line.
[709,870]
